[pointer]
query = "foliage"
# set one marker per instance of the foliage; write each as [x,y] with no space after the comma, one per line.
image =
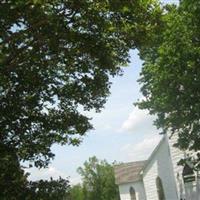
[171,74]
[15,186]
[48,190]
[77,192]
[12,177]
[98,181]
[56,57]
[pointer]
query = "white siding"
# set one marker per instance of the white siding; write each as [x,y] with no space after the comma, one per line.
[176,155]
[139,189]
[160,165]
[163,163]
[189,191]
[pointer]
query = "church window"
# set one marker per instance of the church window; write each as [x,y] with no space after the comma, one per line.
[132,193]
[160,189]
[188,174]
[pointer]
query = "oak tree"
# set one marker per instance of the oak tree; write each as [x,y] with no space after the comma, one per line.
[56,58]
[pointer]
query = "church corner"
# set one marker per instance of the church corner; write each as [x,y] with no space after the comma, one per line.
[159,177]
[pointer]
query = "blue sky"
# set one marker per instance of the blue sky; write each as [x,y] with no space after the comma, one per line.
[122,132]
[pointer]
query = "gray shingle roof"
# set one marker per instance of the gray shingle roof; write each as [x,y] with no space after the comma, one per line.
[128,172]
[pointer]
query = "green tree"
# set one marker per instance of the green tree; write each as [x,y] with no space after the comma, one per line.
[77,192]
[56,57]
[13,180]
[47,190]
[98,180]
[170,77]
[15,186]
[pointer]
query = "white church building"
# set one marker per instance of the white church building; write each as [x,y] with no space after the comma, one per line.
[159,177]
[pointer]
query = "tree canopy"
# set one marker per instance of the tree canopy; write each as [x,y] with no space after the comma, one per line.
[77,192]
[98,182]
[56,58]
[14,184]
[13,180]
[170,76]
[47,190]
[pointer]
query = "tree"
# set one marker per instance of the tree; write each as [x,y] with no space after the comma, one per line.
[77,192]
[15,186]
[170,77]
[98,180]
[13,180]
[56,58]
[47,190]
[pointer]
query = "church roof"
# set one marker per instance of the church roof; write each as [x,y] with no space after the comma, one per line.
[128,172]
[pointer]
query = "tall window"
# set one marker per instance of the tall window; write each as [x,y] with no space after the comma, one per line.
[132,193]
[188,174]
[160,190]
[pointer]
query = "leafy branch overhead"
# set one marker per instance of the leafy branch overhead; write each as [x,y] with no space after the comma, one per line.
[56,58]
[170,77]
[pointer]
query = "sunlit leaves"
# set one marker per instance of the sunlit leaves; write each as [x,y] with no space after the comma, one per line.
[98,181]
[56,58]
[171,74]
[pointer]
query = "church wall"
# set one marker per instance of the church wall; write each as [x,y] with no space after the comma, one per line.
[176,155]
[188,191]
[163,164]
[139,189]
[160,164]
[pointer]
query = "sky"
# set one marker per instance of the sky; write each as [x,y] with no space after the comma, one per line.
[122,132]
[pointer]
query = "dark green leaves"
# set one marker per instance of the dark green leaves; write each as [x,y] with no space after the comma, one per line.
[56,58]
[170,76]
[48,190]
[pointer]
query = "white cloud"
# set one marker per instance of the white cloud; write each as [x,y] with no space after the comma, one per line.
[37,174]
[45,174]
[75,180]
[138,121]
[141,150]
